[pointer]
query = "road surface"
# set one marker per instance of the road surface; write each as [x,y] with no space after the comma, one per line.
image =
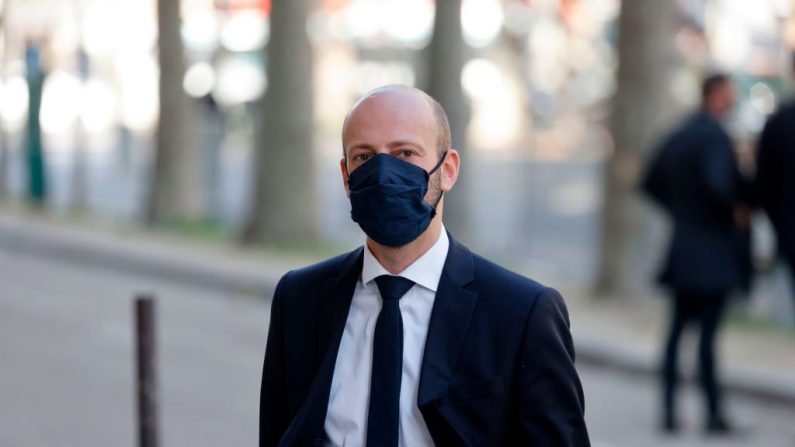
[66,363]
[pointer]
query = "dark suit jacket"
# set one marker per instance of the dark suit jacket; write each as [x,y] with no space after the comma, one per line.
[695,178]
[775,183]
[498,366]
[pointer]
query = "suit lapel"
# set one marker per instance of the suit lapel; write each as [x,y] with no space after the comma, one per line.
[307,425]
[452,311]
[335,306]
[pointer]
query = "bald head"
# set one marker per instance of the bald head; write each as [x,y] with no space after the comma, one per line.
[400,102]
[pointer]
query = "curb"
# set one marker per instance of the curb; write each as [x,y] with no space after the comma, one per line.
[114,252]
[772,390]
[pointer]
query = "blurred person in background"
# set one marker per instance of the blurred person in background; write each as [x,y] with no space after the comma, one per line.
[695,178]
[775,178]
[413,340]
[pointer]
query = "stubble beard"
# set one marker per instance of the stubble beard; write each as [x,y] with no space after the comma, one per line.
[434,194]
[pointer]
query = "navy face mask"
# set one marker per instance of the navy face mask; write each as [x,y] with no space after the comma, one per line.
[387,199]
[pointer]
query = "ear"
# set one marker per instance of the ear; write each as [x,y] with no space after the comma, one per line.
[344,172]
[449,170]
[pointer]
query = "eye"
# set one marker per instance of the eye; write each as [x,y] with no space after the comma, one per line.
[405,153]
[362,157]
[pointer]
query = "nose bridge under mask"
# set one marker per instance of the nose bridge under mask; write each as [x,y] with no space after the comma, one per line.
[382,157]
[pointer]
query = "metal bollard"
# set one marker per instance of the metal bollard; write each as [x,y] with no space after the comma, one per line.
[146,354]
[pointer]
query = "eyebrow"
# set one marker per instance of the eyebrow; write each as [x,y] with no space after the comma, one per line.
[361,146]
[399,143]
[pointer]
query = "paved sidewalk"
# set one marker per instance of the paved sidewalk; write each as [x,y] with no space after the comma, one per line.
[628,334]
[618,332]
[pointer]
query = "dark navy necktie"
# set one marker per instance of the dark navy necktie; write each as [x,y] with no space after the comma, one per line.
[383,420]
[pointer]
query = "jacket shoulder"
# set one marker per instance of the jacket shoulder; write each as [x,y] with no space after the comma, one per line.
[503,287]
[782,118]
[314,275]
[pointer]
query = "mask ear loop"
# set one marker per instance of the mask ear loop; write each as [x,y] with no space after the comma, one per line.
[435,168]
[438,164]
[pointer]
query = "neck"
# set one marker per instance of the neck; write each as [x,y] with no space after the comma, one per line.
[397,259]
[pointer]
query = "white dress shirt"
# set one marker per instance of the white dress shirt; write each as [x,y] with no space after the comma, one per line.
[346,419]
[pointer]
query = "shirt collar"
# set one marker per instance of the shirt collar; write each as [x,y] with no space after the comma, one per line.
[425,271]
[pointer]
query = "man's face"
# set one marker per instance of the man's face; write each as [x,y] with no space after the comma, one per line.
[400,124]
[725,97]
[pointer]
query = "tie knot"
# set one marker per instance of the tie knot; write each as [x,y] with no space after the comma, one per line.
[393,287]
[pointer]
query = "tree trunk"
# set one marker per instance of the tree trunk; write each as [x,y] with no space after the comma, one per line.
[447,54]
[176,191]
[642,104]
[79,196]
[4,145]
[4,160]
[284,201]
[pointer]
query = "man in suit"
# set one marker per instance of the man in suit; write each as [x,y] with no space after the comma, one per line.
[695,178]
[775,183]
[413,340]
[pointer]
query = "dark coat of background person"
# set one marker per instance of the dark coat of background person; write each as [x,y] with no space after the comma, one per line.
[775,178]
[694,177]
[498,367]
